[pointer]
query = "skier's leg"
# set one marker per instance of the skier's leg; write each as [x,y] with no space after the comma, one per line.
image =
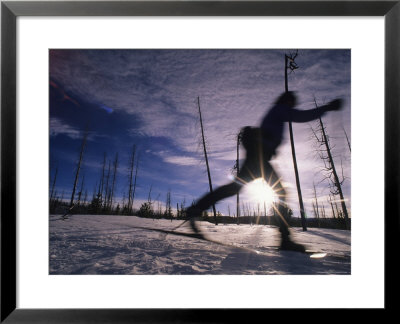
[273,180]
[281,213]
[245,175]
[211,198]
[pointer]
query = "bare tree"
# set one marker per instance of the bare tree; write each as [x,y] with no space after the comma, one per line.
[135,181]
[206,158]
[149,194]
[114,179]
[330,201]
[81,190]
[78,168]
[183,203]
[53,185]
[325,154]
[315,205]
[107,188]
[291,65]
[101,186]
[131,167]
[347,138]
[168,209]
[323,211]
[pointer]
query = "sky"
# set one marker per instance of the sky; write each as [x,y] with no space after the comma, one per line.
[149,98]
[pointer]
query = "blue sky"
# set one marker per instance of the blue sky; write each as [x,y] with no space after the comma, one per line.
[149,98]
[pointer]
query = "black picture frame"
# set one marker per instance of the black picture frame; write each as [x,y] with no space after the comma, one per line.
[10,10]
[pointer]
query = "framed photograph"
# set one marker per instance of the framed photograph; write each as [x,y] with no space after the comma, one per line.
[164,159]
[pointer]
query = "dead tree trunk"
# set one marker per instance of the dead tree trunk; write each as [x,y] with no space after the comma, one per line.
[289,64]
[149,195]
[107,189]
[131,167]
[53,185]
[101,186]
[168,209]
[114,179]
[347,138]
[330,201]
[78,167]
[135,181]
[206,158]
[81,190]
[316,210]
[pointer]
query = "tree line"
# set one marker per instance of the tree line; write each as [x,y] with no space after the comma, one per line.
[103,196]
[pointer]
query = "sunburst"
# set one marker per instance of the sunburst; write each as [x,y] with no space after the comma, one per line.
[261,193]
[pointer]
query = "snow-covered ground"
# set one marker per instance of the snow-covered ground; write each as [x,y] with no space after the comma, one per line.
[93,244]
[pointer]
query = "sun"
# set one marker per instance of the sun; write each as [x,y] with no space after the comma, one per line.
[260,192]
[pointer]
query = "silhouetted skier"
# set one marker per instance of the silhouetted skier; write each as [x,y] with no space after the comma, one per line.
[261,144]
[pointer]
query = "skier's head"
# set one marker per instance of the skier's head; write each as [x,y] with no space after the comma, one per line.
[287,98]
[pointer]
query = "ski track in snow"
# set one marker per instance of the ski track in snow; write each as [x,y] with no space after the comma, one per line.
[95,244]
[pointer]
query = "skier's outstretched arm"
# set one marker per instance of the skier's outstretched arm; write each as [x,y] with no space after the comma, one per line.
[303,116]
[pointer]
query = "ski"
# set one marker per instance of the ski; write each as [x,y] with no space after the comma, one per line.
[311,253]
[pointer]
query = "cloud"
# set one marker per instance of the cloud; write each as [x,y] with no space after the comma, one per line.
[57,127]
[181,160]
[162,87]
[60,127]
[172,158]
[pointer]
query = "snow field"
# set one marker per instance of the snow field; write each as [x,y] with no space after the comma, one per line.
[96,244]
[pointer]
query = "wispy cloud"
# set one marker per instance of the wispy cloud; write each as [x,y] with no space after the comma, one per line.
[57,127]
[181,160]
[60,127]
